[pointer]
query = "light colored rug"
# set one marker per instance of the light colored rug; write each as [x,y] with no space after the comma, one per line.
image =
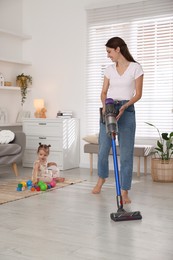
[8,191]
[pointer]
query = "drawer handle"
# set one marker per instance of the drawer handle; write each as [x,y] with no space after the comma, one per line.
[42,137]
[42,123]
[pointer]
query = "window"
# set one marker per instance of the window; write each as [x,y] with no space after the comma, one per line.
[147,28]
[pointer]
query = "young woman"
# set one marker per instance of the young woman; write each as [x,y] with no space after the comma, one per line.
[123,82]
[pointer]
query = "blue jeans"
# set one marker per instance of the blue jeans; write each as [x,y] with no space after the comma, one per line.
[126,137]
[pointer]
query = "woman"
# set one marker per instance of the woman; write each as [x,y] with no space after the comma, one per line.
[123,82]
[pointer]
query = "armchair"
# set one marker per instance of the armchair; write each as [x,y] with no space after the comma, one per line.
[12,153]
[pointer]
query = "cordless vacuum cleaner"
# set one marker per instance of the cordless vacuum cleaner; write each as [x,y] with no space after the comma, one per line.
[112,131]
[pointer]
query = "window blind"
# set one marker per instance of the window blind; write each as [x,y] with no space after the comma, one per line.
[147,28]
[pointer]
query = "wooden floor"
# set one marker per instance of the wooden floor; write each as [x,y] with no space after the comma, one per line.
[73,224]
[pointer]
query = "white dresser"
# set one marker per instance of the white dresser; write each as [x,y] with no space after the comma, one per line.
[61,134]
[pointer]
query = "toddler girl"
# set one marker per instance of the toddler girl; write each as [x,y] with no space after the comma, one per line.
[42,169]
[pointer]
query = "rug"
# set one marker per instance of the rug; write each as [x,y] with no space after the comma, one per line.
[8,191]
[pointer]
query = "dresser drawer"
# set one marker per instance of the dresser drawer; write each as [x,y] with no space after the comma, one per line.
[32,142]
[61,134]
[43,128]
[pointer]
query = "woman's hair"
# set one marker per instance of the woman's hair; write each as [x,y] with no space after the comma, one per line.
[116,42]
[44,147]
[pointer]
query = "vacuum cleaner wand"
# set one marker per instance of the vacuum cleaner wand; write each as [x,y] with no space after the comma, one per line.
[112,131]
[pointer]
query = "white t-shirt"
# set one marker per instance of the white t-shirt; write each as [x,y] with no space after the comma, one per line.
[122,87]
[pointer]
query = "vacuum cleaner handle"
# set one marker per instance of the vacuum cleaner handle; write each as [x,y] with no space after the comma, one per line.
[118,190]
[117,178]
[112,130]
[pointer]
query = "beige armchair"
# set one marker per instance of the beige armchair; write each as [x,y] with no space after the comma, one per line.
[12,153]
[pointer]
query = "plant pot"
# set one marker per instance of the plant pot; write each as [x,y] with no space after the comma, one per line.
[161,170]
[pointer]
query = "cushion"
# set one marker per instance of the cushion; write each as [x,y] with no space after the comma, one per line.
[9,150]
[6,136]
[92,139]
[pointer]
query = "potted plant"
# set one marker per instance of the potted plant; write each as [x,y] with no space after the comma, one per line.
[162,163]
[23,81]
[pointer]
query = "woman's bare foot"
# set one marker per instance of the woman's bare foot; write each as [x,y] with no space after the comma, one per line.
[98,187]
[125,197]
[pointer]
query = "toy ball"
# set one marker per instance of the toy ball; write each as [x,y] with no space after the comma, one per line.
[32,189]
[20,185]
[29,183]
[23,183]
[49,186]
[40,183]
[43,187]
[37,188]
[19,189]
[29,187]
[53,183]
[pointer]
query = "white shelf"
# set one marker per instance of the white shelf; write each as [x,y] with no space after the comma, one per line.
[16,61]
[12,88]
[21,36]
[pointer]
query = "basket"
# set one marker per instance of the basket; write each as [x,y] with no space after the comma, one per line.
[162,171]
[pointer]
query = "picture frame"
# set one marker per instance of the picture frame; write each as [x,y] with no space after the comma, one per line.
[21,115]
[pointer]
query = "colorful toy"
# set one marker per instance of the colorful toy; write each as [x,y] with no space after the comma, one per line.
[37,188]
[23,183]
[43,187]
[39,183]
[49,186]
[19,187]
[29,183]
[53,183]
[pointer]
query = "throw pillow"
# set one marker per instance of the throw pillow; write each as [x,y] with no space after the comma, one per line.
[92,139]
[6,136]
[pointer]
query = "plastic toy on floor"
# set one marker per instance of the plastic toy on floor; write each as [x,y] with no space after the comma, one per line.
[40,186]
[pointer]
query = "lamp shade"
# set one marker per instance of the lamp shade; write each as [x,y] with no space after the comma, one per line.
[38,103]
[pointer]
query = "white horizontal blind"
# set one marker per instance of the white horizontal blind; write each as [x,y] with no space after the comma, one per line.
[147,28]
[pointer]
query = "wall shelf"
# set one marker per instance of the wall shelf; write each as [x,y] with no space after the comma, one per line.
[12,88]
[16,61]
[21,36]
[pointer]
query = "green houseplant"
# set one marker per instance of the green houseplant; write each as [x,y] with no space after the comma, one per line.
[162,163]
[23,81]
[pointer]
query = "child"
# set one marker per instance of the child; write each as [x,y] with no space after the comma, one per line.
[42,169]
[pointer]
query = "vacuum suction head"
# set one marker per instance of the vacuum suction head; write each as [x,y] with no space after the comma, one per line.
[125,216]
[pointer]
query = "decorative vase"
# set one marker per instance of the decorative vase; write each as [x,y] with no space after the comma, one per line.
[162,170]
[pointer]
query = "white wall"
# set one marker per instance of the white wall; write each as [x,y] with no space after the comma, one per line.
[58,53]
[11,20]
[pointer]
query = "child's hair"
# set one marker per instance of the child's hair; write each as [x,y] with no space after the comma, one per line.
[44,147]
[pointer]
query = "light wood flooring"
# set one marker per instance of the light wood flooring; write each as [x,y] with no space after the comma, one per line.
[73,224]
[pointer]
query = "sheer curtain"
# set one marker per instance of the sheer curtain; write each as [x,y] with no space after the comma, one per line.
[147,28]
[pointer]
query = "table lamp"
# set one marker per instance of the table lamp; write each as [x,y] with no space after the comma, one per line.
[39,105]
